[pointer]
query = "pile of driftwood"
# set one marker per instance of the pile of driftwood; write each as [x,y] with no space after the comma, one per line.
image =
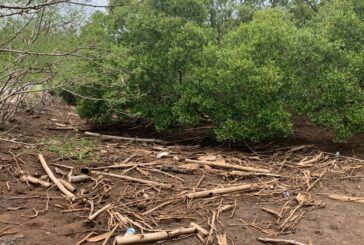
[172,182]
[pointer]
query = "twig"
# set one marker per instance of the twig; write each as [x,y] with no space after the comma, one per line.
[147,182]
[104,136]
[110,235]
[157,207]
[91,217]
[228,166]
[212,228]
[17,142]
[85,238]
[270,211]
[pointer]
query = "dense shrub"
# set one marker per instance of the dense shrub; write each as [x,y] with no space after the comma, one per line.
[244,66]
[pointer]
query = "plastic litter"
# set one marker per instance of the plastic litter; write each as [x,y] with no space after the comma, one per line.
[130,232]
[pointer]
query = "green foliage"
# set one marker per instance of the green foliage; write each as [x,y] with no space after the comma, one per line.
[240,83]
[329,61]
[72,148]
[242,66]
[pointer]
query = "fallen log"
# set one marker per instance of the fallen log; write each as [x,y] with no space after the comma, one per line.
[153,237]
[56,181]
[229,166]
[132,179]
[113,137]
[209,193]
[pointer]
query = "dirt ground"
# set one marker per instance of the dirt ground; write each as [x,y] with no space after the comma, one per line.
[30,214]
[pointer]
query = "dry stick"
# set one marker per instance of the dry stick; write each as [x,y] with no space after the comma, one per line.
[85,238]
[279,241]
[126,165]
[17,142]
[112,137]
[200,180]
[153,237]
[34,180]
[200,229]
[157,207]
[290,216]
[61,166]
[228,166]
[167,174]
[270,211]
[55,180]
[209,193]
[212,227]
[68,185]
[110,235]
[152,183]
[317,180]
[243,174]
[91,217]
[346,198]
[310,162]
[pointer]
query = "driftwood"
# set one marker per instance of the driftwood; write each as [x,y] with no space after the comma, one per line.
[229,166]
[153,237]
[33,180]
[152,183]
[113,137]
[279,241]
[56,181]
[209,193]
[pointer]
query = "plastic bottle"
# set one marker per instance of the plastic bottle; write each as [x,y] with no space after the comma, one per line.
[129,232]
